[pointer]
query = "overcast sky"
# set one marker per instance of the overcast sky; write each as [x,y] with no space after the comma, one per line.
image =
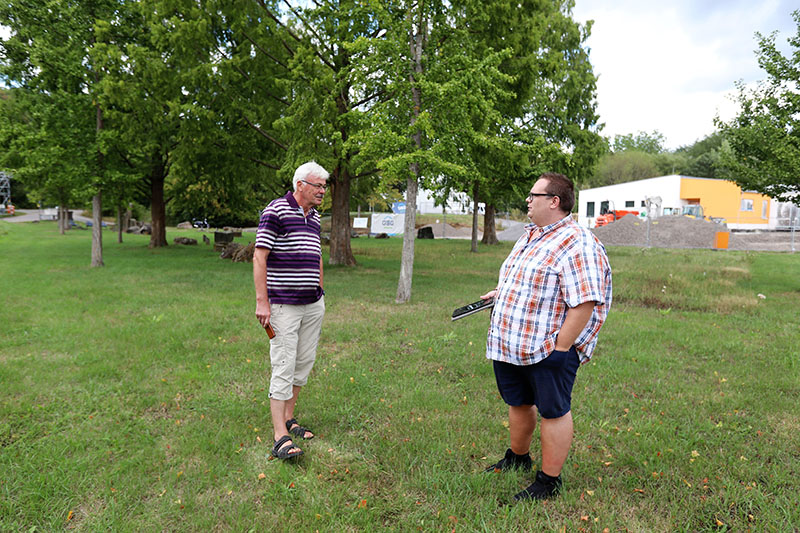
[671,65]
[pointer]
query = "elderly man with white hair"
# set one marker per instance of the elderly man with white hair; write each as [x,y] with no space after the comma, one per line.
[290,303]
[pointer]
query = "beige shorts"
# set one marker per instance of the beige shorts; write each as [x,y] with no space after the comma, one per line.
[294,348]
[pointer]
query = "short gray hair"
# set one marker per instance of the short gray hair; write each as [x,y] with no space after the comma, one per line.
[309,169]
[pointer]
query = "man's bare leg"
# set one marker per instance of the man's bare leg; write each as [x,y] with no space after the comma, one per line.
[522,422]
[289,412]
[556,435]
[278,410]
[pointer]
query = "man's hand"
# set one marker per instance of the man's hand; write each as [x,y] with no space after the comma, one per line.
[490,294]
[263,313]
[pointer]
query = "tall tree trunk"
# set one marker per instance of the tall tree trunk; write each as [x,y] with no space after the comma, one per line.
[474,243]
[128,216]
[489,227]
[62,219]
[416,41]
[97,202]
[97,229]
[158,211]
[119,224]
[340,252]
[409,237]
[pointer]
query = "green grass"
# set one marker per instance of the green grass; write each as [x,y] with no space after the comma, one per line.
[133,397]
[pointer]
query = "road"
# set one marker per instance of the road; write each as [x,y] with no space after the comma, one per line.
[32,215]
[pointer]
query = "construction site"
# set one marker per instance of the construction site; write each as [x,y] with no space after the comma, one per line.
[688,232]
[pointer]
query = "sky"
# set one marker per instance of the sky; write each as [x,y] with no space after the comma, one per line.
[671,65]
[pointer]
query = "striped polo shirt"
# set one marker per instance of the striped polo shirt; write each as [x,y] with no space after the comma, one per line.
[294,251]
[562,266]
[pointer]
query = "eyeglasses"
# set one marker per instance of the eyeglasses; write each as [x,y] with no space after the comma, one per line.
[318,186]
[532,195]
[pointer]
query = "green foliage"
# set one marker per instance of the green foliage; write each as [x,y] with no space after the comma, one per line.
[625,166]
[701,159]
[139,401]
[764,139]
[649,143]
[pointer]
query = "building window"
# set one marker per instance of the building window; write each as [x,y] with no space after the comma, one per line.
[589,209]
[764,210]
[604,207]
[644,203]
[747,205]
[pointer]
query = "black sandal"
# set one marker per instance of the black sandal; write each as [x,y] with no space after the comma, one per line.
[281,450]
[298,431]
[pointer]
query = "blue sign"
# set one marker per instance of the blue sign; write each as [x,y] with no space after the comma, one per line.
[398,208]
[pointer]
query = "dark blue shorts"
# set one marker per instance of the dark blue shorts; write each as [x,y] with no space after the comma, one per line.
[547,384]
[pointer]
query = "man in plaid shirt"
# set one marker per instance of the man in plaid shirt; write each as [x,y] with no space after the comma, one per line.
[553,296]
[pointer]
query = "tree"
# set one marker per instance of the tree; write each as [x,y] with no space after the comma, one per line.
[423,133]
[703,157]
[547,114]
[289,76]
[649,143]
[39,155]
[764,138]
[47,58]
[148,92]
[624,167]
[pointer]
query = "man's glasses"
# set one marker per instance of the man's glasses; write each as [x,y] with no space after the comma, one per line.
[532,195]
[318,186]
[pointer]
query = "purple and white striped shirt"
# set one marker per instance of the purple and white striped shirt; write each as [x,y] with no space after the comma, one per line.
[294,251]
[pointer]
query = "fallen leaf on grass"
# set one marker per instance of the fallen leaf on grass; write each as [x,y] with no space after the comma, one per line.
[262,475]
[640,491]
[291,485]
[70,515]
[585,518]
[362,504]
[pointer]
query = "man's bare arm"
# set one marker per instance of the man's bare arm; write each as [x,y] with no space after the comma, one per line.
[263,311]
[576,320]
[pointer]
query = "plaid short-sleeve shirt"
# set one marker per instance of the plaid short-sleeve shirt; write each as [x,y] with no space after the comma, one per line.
[562,266]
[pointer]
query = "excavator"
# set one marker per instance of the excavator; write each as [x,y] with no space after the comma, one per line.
[610,215]
[696,211]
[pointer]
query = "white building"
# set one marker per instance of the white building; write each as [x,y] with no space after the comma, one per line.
[719,198]
[458,203]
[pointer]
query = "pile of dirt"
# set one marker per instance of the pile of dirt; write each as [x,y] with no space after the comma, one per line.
[664,232]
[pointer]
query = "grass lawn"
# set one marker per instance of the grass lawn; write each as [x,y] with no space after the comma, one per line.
[133,397]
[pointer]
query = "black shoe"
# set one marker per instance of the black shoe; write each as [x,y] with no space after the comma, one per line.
[543,488]
[512,460]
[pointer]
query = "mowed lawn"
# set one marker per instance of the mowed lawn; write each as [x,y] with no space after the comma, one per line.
[134,397]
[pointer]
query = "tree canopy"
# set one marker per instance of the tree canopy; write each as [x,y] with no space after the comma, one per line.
[764,138]
[206,108]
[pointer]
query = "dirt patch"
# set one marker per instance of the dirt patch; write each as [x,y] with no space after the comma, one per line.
[664,232]
[685,232]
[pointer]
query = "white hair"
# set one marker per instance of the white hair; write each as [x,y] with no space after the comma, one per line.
[309,169]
